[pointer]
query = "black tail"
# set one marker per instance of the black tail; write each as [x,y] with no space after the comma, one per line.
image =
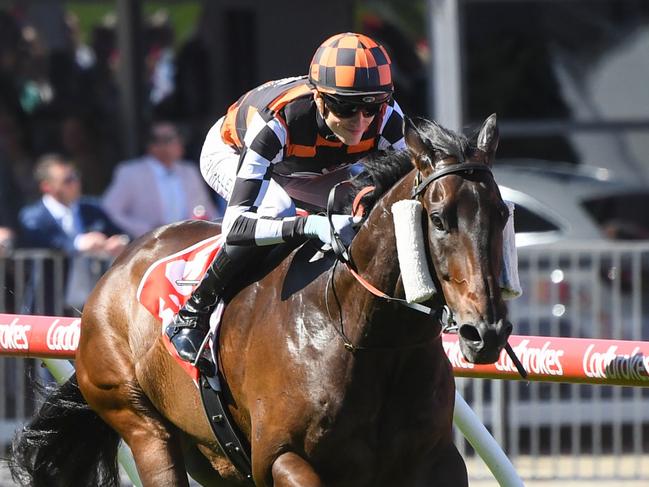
[66,444]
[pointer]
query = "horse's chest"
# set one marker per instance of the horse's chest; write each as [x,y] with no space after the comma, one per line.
[375,436]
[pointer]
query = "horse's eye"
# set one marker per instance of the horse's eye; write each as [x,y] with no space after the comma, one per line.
[437,221]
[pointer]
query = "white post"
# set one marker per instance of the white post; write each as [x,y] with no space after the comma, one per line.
[484,444]
[62,370]
[445,68]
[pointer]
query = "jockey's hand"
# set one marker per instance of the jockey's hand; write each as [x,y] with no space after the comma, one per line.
[317,226]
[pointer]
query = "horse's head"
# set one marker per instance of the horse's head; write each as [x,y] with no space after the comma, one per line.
[464,229]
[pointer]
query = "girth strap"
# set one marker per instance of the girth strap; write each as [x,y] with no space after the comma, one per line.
[228,436]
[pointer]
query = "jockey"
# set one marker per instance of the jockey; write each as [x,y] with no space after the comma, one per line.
[289,141]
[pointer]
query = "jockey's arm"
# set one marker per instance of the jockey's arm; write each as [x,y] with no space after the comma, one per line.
[263,147]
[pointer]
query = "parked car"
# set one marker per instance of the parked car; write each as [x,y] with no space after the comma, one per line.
[565,220]
[559,202]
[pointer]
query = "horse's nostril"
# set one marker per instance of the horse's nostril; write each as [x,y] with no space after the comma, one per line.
[470,333]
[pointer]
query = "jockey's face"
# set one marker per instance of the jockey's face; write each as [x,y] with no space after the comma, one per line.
[349,130]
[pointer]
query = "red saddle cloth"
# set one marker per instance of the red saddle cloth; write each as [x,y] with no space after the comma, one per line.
[168,283]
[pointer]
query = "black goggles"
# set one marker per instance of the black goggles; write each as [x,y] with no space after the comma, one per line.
[347,108]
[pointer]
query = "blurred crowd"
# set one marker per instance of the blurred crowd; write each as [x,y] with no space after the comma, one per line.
[64,183]
[59,95]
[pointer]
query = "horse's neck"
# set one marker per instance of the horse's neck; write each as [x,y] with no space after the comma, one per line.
[374,250]
[375,255]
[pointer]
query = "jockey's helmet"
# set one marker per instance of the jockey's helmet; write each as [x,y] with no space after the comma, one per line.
[352,65]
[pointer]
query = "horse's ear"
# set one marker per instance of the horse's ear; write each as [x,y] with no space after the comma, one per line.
[487,142]
[418,150]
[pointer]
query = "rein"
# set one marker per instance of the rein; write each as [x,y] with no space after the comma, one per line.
[441,315]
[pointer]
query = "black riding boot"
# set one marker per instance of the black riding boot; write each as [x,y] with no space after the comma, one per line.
[191,324]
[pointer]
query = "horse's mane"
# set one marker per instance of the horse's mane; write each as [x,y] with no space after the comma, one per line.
[384,168]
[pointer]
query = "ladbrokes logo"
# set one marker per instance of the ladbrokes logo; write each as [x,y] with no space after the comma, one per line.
[610,364]
[63,337]
[14,336]
[542,361]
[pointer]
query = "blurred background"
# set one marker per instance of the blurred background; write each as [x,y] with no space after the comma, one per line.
[569,80]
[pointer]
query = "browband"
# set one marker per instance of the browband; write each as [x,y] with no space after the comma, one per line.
[463,167]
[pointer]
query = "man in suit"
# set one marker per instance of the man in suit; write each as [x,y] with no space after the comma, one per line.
[158,188]
[62,220]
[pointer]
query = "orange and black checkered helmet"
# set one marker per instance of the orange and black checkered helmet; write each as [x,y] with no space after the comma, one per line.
[351,64]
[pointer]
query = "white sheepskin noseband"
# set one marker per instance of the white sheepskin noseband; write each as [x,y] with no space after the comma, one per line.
[509,282]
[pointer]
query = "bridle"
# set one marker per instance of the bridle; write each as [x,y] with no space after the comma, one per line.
[443,315]
[419,186]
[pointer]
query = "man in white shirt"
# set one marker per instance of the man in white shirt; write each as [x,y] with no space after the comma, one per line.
[158,188]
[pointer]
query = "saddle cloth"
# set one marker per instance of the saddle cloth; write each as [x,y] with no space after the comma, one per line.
[168,283]
[164,288]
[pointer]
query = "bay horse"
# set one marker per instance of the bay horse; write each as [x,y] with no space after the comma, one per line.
[315,412]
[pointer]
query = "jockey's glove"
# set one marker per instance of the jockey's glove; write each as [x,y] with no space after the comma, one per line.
[317,226]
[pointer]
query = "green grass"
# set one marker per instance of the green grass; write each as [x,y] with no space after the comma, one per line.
[183,15]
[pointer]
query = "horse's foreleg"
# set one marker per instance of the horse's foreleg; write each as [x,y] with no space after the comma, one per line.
[158,458]
[291,470]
